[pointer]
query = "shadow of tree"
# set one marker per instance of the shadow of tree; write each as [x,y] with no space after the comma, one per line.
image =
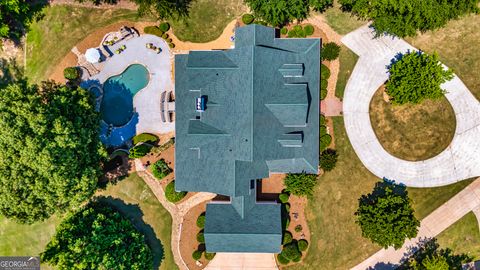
[10,71]
[18,23]
[380,189]
[135,215]
[383,266]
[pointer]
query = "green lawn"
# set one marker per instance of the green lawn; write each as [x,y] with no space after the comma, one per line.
[337,242]
[413,131]
[61,27]
[207,19]
[457,46]
[342,22]
[130,196]
[347,59]
[462,237]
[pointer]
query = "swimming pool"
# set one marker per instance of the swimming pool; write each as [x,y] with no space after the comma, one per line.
[118,91]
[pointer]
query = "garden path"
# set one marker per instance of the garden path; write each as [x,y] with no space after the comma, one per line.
[461,158]
[443,217]
[177,211]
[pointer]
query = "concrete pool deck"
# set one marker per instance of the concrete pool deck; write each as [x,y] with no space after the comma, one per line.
[146,102]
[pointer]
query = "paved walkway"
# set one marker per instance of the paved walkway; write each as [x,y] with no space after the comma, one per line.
[177,211]
[465,201]
[459,161]
[243,261]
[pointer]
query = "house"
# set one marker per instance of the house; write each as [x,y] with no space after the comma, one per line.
[242,114]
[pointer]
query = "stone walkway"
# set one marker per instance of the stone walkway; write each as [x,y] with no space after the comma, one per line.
[443,217]
[459,161]
[177,211]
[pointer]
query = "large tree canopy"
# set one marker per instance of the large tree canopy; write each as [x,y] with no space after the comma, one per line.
[15,15]
[416,76]
[50,150]
[406,17]
[386,216]
[98,237]
[280,12]
[163,9]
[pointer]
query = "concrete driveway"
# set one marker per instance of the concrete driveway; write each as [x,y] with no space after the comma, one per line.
[237,261]
[459,161]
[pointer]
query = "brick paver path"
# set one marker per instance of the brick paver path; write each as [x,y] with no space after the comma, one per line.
[459,161]
[458,206]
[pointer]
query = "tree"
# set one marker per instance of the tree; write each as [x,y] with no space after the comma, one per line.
[300,184]
[97,237]
[279,12]
[429,256]
[16,15]
[163,9]
[405,18]
[51,152]
[416,76]
[328,159]
[386,216]
[320,5]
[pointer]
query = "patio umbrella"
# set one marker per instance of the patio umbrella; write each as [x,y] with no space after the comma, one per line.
[92,55]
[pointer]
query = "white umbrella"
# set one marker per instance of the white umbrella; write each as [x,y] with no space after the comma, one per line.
[92,55]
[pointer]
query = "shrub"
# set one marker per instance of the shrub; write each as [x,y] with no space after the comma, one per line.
[71,73]
[283,197]
[164,26]
[171,45]
[328,159]
[282,260]
[300,184]
[169,40]
[291,252]
[165,36]
[325,141]
[172,195]
[261,23]
[286,222]
[297,28]
[323,121]
[153,30]
[324,72]
[287,207]
[248,18]
[302,245]
[298,228]
[323,94]
[139,151]
[297,259]
[292,34]
[144,138]
[308,29]
[287,237]
[209,256]
[160,169]
[323,84]
[201,221]
[284,31]
[407,82]
[201,237]
[197,255]
[330,51]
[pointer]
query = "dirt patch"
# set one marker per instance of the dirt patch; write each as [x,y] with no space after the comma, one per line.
[188,238]
[412,131]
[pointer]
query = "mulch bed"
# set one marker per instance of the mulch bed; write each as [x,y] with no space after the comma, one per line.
[188,238]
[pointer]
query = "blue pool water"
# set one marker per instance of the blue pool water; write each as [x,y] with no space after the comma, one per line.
[118,91]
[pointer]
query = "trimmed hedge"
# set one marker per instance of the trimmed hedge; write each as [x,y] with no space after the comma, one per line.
[325,141]
[201,237]
[171,45]
[323,121]
[165,36]
[71,73]
[172,195]
[302,245]
[324,72]
[283,31]
[283,197]
[201,221]
[197,255]
[209,256]
[287,237]
[309,29]
[139,151]
[144,138]
[153,30]
[330,51]
[323,94]
[282,260]
[164,26]
[291,252]
[160,169]
[248,18]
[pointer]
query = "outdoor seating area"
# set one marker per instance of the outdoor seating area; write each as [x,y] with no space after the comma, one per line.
[153,47]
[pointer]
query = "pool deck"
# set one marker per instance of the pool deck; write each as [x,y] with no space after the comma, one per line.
[146,102]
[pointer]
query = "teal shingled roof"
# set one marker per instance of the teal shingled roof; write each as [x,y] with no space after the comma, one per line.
[261,116]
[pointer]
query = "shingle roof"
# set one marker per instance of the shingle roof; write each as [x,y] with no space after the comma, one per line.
[261,116]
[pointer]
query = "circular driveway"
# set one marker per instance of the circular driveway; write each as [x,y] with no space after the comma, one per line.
[461,159]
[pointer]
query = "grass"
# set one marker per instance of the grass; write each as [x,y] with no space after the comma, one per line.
[455,44]
[336,241]
[462,237]
[207,19]
[347,59]
[130,196]
[61,27]
[413,132]
[342,22]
